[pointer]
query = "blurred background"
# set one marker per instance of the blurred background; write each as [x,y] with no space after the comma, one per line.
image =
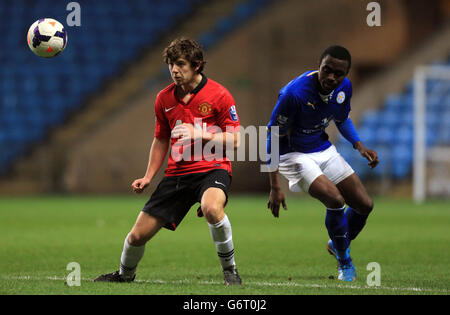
[83,122]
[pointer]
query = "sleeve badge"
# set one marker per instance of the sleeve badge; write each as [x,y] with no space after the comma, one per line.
[233,113]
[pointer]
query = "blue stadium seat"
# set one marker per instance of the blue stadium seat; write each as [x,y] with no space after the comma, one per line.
[433,119]
[407,118]
[344,148]
[389,119]
[401,170]
[385,135]
[404,135]
[207,39]
[370,119]
[367,134]
[385,156]
[443,135]
[402,156]
[224,26]
[9,100]
[359,165]
[393,102]
[41,92]
[243,11]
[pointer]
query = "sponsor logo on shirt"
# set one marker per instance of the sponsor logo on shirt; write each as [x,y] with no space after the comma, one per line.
[169,109]
[282,120]
[319,127]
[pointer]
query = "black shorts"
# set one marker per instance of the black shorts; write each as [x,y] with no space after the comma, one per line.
[175,195]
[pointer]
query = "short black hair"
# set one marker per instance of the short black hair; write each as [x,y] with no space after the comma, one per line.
[337,52]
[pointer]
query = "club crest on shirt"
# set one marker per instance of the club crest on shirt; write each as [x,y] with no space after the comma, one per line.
[204,109]
[233,113]
[340,97]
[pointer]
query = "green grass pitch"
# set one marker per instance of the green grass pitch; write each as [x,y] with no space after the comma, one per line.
[40,236]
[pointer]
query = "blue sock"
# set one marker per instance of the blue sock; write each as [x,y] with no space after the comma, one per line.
[355,222]
[336,224]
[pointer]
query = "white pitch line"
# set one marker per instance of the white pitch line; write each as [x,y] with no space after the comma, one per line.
[349,286]
[262,284]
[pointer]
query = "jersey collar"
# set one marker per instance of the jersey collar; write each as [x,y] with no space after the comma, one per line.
[325,98]
[194,91]
[200,85]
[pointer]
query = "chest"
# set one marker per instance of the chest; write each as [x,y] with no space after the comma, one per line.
[197,111]
[315,112]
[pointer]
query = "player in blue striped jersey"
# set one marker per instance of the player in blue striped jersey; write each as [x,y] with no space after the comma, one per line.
[309,161]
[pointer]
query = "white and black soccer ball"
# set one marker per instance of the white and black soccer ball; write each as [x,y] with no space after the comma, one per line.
[47,38]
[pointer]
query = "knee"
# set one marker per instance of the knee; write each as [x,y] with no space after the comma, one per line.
[327,193]
[137,239]
[334,201]
[213,212]
[365,207]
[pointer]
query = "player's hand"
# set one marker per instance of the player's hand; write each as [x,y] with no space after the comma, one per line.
[185,132]
[275,199]
[140,184]
[370,155]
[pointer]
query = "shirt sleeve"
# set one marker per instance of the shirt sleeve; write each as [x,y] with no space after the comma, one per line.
[343,121]
[348,131]
[282,117]
[283,114]
[162,127]
[227,118]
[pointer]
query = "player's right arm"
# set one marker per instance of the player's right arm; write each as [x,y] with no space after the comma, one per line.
[276,196]
[158,150]
[282,116]
[157,154]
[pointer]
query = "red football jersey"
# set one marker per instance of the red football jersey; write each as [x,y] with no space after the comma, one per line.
[212,108]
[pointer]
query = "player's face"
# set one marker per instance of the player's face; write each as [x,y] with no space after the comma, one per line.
[181,71]
[332,72]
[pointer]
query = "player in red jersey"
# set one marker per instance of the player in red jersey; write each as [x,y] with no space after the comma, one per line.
[192,114]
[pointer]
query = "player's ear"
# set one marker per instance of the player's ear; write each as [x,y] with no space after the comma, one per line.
[198,66]
[348,68]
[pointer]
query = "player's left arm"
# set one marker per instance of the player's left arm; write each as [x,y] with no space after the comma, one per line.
[187,132]
[225,133]
[227,139]
[348,131]
[369,154]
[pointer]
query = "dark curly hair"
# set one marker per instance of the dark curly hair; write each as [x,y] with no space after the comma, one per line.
[185,48]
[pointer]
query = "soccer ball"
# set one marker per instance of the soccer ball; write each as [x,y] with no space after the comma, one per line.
[47,38]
